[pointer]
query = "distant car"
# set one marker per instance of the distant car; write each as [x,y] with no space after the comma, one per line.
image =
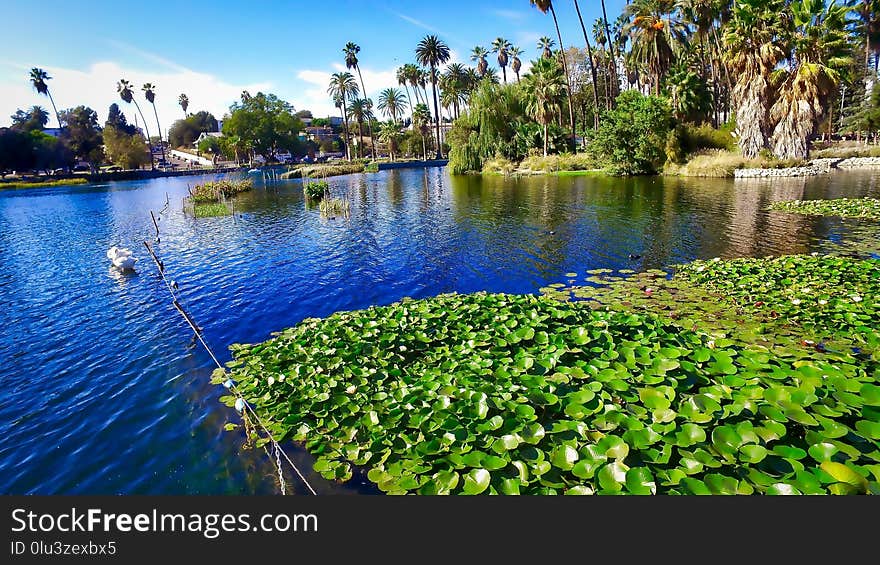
[112,169]
[81,168]
[59,171]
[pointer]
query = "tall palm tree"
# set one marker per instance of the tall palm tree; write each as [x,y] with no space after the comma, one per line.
[545,87]
[360,112]
[610,48]
[502,47]
[391,103]
[343,86]
[183,100]
[545,46]
[752,50]
[389,134]
[479,56]
[868,14]
[657,35]
[515,61]
[351,51]
[433,52]
[423,82]
[38,79]
[422,123]
[402,81]
[547,6]
[123,87]
[150,95]
[819,40]
[412,77]
[456,76]
[701,16]
[592,68]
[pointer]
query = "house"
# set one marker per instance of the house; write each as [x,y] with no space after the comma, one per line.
[319,133]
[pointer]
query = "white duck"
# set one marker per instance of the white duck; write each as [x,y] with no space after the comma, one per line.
[121,258]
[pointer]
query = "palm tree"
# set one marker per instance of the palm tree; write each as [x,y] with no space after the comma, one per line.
[422,122]
[123,87]
[360,111]
[389,134]
[868,13]
[545,88]
[547,6]
[657,35]
[351,51]
[752,51]
[183,100]
[412,77]
[38,80]
[502,47]
[342,87]
[515,62]
[402,81]
[610,48]
[479,56]
[592,68]
[456,79]
[150,95]
[391,103]
[819,42]
[433,52]
[423,82]
[545,45]
[701,15]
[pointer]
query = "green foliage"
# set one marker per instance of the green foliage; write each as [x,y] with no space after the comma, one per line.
[556,163]
[82,135]
[210,145]
[633,135]
[316,190]
[689,97]
[323,170]
[129,151]
[34,119]
[43,183]
[116,119]
[265,122]
[183,133]
[218,190]
[843,207]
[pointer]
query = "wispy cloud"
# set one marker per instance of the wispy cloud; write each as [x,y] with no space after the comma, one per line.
[147,56]
[415,22]
[512,15]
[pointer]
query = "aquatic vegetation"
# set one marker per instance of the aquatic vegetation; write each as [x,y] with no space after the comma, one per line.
[43,183]
[210,210]
[324,170]
[335,207]
[215,191]
[843,207]
[316,190]
[492,393]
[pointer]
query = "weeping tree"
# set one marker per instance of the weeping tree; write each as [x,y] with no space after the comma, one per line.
[818,40]
[752,51]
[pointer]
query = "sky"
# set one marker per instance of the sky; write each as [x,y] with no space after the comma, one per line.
[212,50]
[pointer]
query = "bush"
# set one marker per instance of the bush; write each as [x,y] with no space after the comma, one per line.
[217,190]
[499,165]
[633,135]
[555,163]
[315,191]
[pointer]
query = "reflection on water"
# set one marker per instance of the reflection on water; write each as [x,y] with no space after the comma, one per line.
[105,390]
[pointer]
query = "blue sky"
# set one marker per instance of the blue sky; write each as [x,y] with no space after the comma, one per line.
[211,50]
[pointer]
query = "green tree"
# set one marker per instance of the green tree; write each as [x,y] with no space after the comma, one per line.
[183,133]
[545,46]
[38,79]
[391,103]
[35,119]
[128,150]
[502,47]
[389,134]
[433,52]
[752,51]
[818,41]
[351,51]
[689,97]
[546,6]
[82,135]
[265,123]
[632,135]
[116,119]
[183,100]
[657,35]
[123,87]
[360,111]
[422,123]
[478,55]
[545,89]
[343,87]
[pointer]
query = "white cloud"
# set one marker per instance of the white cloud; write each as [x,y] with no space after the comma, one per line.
[96,87]
[316,99]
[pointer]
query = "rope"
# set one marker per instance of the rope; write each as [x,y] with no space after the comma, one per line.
[198,333]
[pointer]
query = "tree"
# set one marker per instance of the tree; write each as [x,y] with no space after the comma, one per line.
[545,45]
[515,62]
[689,98]
[752,50]
[150,95]
[116,119]
[389,134]
[38,79]
[128,150]
[360,111]
[351,51]
[547,6]
[592,67]
[478,55]
[183,100]
[610,47]
[454,85]
[264,123]
[502,47]
[400,75]
[657,35]
[433,52]
[545,88]
[391,103]
[183,133]
[422,123]
[35,119]
[633,134]
[82,135]
[123,87]
[818,41]
[343,86]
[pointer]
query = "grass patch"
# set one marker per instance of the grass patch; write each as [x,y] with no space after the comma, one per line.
[43,183]
[845,151]
[210,210]
[217,190]
[843,207]
[559,163]
[499,166]
[333,207]
[324,170]
[720,163]
[623,393]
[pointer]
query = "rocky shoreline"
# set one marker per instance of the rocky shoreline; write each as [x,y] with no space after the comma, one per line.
[813,168]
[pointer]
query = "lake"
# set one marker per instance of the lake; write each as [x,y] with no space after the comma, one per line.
[105,390]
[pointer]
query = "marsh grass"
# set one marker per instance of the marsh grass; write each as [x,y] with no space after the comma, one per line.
[43,184]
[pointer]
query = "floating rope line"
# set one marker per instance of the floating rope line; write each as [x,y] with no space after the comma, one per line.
[241,404]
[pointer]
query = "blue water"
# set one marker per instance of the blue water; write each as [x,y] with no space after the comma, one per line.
[103,389]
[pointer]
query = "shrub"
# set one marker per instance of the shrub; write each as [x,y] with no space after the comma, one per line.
[633,135]
[499,165]
[217,190]
[315,191]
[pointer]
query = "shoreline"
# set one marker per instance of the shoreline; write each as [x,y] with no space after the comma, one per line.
[77,180]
